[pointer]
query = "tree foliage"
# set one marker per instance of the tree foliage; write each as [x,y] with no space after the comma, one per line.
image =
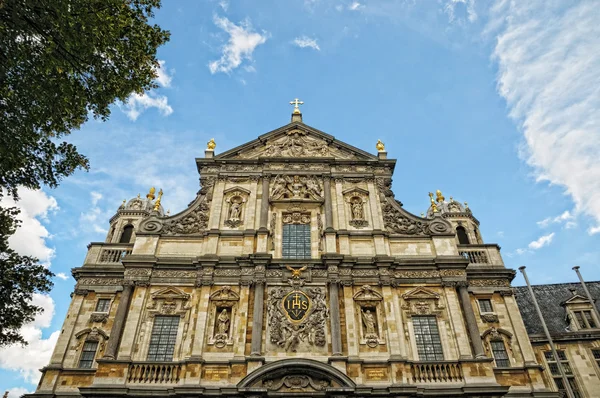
[61,62]
[20,278]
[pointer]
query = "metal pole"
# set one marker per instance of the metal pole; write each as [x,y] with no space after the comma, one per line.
[587,293]
[554,353]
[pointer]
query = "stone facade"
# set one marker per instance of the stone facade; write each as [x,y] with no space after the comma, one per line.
[249,321]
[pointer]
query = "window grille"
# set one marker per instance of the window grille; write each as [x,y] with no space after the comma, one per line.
[499,353]
[102,305]
[296,241]
[485,305]
[164,336]
[88,354]
[553,367]
[427,336]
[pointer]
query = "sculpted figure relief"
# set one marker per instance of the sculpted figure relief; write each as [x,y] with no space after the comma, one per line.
[296,187]
[357,209]
[223,322]
[369,322]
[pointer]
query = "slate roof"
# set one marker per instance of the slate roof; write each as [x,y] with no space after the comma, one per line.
[549,298]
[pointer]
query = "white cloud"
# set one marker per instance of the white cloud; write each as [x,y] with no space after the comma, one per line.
[355,6]
[548,55]
[466,6]
[305,41]
[94,219]
[163,78]
[567,218]
[16,392]
[224,4]
[62,276]
[521,251]
[136,104]
[242,43]
[30,238]
[29,359]
[594,230]
[541,242]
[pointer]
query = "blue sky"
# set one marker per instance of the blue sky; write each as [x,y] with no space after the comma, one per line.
[493,102]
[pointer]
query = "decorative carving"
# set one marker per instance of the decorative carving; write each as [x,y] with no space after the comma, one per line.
[222,329]
[296,187]
[99,281]
[223,306]
[489,318]
[421,301]
[297,144]
[489,282]
[416,274]
[296,218]
[193,222]
[296,272]
[296,383]
[365,272]
[174,274]
[168,301]
[395,221]
[228,272]
[288,329]
[274,273]
[137,272]
[356,198]
[319,273]
[98,317]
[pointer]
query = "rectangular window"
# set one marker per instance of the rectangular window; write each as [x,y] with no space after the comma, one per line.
[553,367]
[296,241]
[589,318]
[88,354]
[102,305]
[164,336]
[427,336]
[500,355]
[596,354]
[485,305]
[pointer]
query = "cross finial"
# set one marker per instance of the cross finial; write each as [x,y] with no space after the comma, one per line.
[296,102]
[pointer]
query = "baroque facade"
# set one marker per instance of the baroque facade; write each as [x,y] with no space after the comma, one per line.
[294,272]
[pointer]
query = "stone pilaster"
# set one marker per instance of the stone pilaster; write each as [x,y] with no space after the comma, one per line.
[334,305]
[519,328]
[328,205]
[116,332]
[259,303]
[62,343]
[456,319]
[471,321]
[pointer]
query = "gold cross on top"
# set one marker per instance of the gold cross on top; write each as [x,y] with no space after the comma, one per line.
[296,102]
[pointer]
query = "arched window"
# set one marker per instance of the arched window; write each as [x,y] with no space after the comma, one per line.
[126,235]
[463,238]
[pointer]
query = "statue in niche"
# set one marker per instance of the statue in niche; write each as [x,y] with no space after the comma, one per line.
[357,209]
[223,322]
[235,212]
[369,322]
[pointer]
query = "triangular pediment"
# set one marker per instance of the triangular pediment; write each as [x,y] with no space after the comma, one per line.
[576,299]
[420,293]
[296,140]
[170,293]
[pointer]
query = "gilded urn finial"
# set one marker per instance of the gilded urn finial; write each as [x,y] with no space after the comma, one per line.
[380,146]
[151,193]
[439,197]
[157,203]
[211,144]
[433,205]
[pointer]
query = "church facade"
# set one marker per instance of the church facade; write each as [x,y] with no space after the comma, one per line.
[294,272]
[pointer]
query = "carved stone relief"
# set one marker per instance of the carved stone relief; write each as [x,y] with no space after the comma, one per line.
[421,301]
[296,187]
[168,301]
[356,200]
[296,383]
[297,318]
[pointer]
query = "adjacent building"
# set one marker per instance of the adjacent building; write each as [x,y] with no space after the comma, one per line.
[575,329]
[294,272]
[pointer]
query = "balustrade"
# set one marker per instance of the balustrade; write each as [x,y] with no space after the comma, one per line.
[113,255]
[154,373]
[432,372]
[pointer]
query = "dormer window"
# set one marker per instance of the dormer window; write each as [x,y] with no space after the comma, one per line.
[585,319]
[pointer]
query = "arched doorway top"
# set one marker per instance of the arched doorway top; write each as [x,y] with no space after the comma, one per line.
[294,375]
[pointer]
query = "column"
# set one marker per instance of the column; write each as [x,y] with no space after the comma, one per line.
[64,338]
[334,317]
[471,321]
[264,204]
[257,326]
[328,206]
[119,322]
